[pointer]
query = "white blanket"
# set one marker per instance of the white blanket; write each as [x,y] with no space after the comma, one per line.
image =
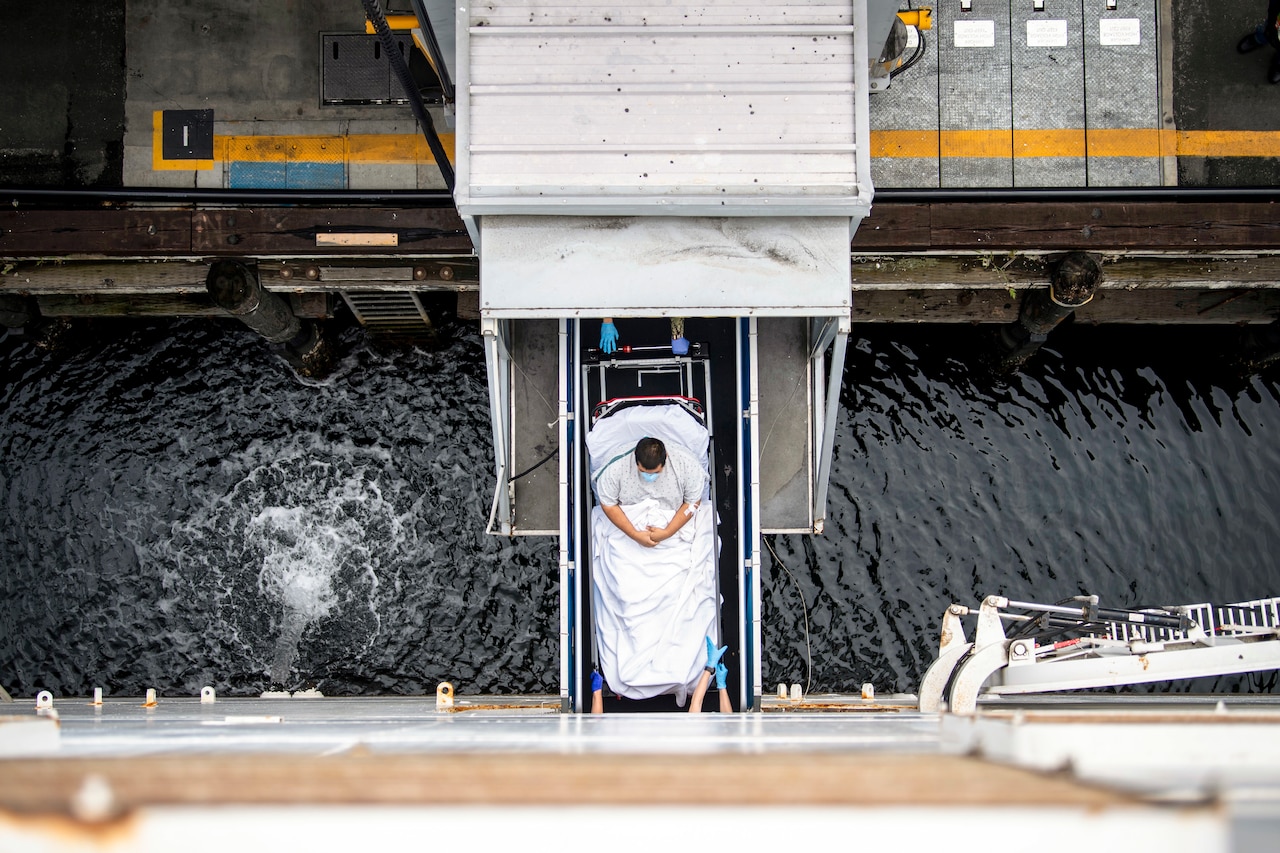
[654,606]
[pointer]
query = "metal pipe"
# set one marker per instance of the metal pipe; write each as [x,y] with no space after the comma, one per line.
[236,289]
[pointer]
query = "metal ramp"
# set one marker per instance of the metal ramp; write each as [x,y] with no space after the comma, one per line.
[390,313]
[1077,644]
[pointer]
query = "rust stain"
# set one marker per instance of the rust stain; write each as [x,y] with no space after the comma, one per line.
[119,832]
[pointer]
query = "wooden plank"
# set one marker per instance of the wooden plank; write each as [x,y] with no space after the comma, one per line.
[849,779]
[326,239]
[314,306]
[894,227]
[891,226]
[134,305]
[994,226]
[293,231]
[50,233]
[189,277]
[1142,225]
[1004,270]
[1112,304]
[106,278]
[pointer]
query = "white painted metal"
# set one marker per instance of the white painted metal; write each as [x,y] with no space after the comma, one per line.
[721,108]
[753,532]
[498,362]
[826,416]
[558,266]
[567,342]
[1109,648]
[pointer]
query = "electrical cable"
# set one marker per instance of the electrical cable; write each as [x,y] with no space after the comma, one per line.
[915,57]
[535,466]
[804,608]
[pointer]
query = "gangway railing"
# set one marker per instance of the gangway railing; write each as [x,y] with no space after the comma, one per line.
[1078,644]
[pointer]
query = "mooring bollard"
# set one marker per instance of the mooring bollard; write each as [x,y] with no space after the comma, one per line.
[1071,285]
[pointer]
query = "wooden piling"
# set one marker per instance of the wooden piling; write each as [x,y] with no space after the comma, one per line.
[1072,283]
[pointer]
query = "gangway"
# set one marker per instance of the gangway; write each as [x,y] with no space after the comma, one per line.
[1077,644]
[659,162]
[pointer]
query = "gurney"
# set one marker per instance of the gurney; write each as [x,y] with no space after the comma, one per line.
[653,607]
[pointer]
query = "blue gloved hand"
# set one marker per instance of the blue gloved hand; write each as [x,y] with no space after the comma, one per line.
[714,654]
[608,337]
[680,345]
[722,673]
[597,682]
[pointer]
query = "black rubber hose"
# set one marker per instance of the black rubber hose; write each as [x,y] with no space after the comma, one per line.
[373,11]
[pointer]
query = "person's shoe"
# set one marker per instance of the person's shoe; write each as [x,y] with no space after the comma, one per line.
[1250,41]
[1273,74]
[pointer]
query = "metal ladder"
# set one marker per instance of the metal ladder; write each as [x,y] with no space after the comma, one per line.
[1078,644]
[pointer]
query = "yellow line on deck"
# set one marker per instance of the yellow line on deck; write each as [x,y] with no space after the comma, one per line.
[353,148]
[1075,143]
[392,148]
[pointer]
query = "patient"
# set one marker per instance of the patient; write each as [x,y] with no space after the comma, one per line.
[673,477]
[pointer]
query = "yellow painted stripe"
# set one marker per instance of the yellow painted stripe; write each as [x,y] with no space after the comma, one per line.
[354,148]
[1075,143]
[413,148]
[394,148]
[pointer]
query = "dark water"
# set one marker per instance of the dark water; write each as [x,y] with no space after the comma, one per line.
[178,510]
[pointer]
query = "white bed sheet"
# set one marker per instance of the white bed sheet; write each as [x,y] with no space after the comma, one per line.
[652,607]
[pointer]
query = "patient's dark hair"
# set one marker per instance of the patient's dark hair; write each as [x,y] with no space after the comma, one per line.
[650,453]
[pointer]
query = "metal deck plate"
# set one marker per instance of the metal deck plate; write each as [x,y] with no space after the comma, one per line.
[1122,87]
[973,55]
[355,71]
[1048,93]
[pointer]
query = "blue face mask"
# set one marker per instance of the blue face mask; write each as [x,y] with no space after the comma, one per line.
[650,476]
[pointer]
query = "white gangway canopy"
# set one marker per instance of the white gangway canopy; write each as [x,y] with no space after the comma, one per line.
[655,158]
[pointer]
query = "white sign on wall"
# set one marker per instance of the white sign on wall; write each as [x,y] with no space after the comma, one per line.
[1046,33]
[975,34]
[1119,31]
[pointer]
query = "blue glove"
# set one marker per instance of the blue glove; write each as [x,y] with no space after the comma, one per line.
[608,337]
[722,673]
[597,682]
[680,345]
[714,654]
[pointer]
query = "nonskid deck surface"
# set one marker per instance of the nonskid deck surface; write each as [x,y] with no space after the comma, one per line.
[995,103]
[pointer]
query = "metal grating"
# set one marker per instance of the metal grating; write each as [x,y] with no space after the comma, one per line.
[398,313]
